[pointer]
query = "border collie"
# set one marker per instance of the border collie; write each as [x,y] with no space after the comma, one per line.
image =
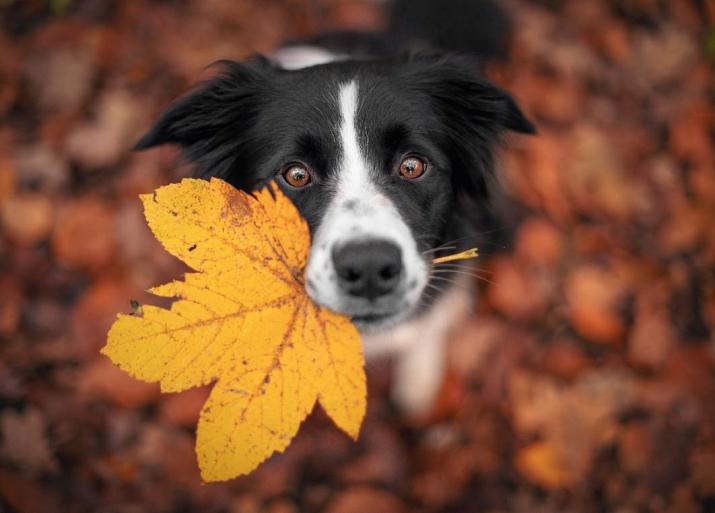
[386,156]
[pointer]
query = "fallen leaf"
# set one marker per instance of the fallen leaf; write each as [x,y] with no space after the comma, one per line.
[26,495]
[282,506]
[8,173]
[41,166]
[516,291]
[242,320]
[102,379]
[24,442]
[564,358]
[652,337]
[84,235]
[635,447]
[539,242]
[703,465]
[27,218]
[101,143]
[539,463]
[60,80]
[183,409]
[594,296]
[573,422]
[10,304]
[95,311]
[359,500]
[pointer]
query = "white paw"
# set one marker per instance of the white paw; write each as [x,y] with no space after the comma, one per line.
[418,376]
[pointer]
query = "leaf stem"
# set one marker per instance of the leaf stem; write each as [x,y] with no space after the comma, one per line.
[464,255]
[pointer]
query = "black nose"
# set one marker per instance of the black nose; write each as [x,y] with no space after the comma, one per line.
[368,269]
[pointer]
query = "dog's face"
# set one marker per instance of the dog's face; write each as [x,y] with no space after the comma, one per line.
[378,157]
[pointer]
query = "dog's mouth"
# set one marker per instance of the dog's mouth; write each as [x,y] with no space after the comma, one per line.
[373,317]
[378,321]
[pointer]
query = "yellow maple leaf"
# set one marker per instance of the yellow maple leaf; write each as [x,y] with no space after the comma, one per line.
[242,320]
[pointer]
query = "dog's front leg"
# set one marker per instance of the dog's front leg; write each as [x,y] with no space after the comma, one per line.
[418,349]
[419,371]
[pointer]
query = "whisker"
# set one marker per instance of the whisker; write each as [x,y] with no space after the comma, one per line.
[454,271]
[425,298]
[439,248]
[450,244]
[446,245]
[435,287]
[453,282]
[428,295]
[461,268]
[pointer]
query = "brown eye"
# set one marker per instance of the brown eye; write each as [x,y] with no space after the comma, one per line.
[297,175]
[412,167]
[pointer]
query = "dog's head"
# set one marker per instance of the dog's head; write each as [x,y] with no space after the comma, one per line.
[379,157]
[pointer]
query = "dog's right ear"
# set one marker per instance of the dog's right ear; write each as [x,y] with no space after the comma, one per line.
[208,122]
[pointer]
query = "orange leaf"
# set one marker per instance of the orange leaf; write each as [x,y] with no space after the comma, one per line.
[242,320]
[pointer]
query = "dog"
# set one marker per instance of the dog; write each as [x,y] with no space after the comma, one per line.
[387,155]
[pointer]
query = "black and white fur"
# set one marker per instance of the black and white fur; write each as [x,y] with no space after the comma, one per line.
[351,122]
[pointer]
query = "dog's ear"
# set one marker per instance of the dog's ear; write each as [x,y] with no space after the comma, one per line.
[511,116]
[464,96]
[475,114]
[208,123]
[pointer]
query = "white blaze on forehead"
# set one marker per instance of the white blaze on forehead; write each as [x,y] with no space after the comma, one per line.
[359,210]
[354,177]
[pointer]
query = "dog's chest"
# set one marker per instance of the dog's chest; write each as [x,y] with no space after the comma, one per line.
[435,323]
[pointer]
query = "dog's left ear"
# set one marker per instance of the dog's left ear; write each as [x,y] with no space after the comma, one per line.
[464,97]
[509,114]
[475,113]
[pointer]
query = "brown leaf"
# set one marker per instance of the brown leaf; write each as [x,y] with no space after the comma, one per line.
[564,358]
[539,463]
[635,445]
[516,291]
[172,450]
[24,442]
[84,235]
[596,178]
[8,178]
[536,176]
[539,242]
[384,460]
[594,297]
[282,506]
[661,57]
[702,462]
[472,344]
[102,142]
[363,499]
[93,314]
[40,165]
[60,79]
[183,409]
[573,422]
[104,380]
[27,218]
[11,300]
[28,496]
[651,338]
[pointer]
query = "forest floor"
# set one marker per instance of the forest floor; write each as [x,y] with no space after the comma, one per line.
[584,382]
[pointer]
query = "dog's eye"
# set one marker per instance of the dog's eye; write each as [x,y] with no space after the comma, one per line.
[297,175]
[412,167]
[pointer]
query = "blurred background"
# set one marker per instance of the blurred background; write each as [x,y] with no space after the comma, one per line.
[584,382]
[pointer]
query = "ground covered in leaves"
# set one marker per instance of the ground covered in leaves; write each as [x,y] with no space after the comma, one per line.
[585,382]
